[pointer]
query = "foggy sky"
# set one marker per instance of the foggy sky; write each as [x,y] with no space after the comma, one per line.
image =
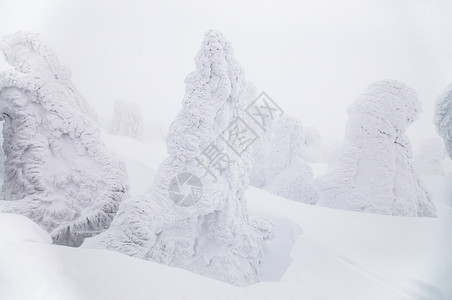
[312,57]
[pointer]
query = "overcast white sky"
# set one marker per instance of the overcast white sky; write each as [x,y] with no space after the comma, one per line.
[312,57]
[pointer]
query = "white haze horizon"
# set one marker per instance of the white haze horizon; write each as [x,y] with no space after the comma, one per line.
[312,57]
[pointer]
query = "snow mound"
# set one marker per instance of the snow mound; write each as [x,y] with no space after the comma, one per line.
[205,228]
[19,229]
[57,171]
[373,170]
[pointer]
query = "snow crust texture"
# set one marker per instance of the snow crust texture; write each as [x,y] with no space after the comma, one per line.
[57,171]
[278,163]
[443,118]
[127,120]
[214,236]
[373,170]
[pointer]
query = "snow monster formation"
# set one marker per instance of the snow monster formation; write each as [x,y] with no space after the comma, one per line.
[278,164]
[127,120]
[57,171]
[443,118]
[373,170]
[195,215]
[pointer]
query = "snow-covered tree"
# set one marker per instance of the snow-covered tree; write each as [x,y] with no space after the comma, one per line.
[195,214]
[57,171]
[314,151]
[431,156]
[373,170]
[127,120]
[2,158]
[278,163]
[443,118]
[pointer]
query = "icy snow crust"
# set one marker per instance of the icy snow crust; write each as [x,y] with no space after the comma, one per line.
[278,163]
[57,171]
[443,118]
[215,236]
[373,170]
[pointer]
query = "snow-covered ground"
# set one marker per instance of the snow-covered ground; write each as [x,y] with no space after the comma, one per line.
[317,253]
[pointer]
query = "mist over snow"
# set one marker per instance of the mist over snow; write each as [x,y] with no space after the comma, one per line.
[312,57]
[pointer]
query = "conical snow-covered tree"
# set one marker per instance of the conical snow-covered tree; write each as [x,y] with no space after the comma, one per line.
[443,118]
[373,170]
[195,214]
[127,120]
[57,172]
[278,164]
[431,156]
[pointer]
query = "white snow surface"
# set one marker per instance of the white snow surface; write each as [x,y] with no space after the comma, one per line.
[57,171]
[317,253]
[15,229]
[373,170]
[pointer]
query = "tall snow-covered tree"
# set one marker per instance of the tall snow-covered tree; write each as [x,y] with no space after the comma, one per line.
[443,118]
[278,164]
[373,170]
[431,156]
[195,214]
[57,171]
[127,120]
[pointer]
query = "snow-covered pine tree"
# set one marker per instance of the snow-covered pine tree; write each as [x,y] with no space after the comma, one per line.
[278,164]
[314,151]
[57,171]
[127,120]
[212,234]
[373,170]
[443,117]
